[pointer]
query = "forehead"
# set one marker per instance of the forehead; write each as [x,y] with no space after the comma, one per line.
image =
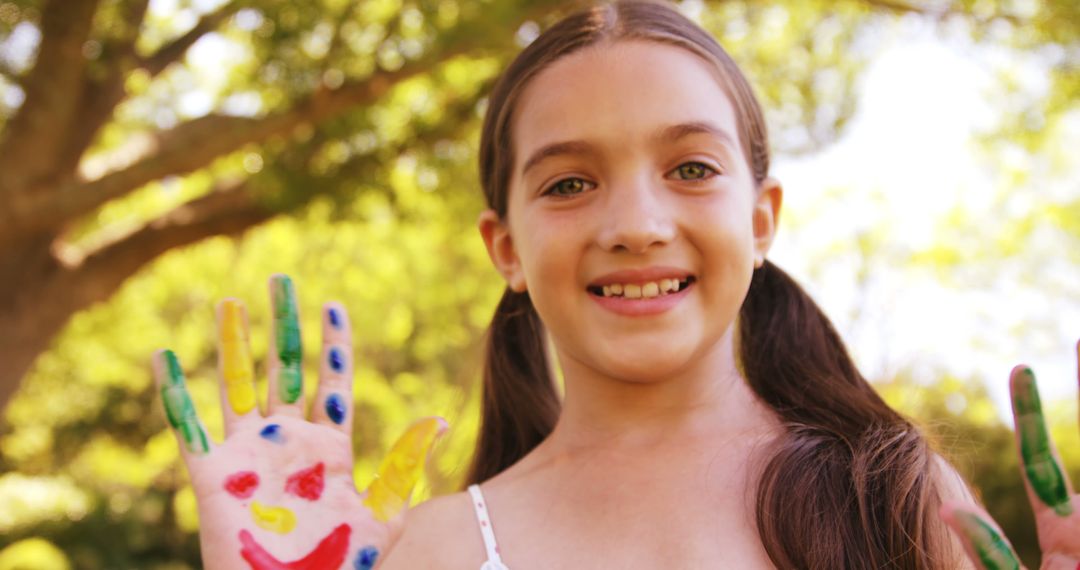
[619,94]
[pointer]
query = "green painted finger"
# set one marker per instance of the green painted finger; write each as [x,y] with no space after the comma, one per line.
[993,550]
[287,339]
[179,408]
[389,493]
[1045,475]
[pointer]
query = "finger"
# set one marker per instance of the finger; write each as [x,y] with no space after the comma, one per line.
[286,355]
[179,409]
[1048,487]
[234,364]
[333,403]
[389,493]
[984,543]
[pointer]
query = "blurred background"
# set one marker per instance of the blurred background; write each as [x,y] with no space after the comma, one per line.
[159,155]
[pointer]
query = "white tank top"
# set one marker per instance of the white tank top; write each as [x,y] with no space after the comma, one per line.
[494,562]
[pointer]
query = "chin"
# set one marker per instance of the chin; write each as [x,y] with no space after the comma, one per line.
[653,365]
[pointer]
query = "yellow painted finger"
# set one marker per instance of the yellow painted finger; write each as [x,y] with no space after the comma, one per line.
[235,354]
[389,493]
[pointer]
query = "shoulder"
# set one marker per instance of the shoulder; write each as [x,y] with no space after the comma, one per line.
[438,533]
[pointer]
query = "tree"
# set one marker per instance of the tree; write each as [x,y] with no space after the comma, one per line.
[342,145]
[316,72]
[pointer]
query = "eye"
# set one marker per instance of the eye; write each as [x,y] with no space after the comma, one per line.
[242,484]
[695,168]
[306,483]
[562,190]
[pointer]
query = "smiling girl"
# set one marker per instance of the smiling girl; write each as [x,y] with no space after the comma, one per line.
[711,416]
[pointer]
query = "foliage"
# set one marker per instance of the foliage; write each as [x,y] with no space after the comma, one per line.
[374,205]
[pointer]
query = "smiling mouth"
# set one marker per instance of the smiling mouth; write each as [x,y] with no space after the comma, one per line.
[646,290]
[329,553]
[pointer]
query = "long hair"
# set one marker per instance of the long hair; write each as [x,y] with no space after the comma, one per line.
[850,482]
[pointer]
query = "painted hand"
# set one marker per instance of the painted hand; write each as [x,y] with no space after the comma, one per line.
[278,493]
[1057,509]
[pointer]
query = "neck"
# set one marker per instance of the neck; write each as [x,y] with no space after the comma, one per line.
[706,399]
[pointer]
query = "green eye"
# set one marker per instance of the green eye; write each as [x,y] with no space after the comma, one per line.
[561,188]
[695,168]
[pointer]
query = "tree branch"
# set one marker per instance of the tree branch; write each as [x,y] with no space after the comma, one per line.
[103,91]
[195,144]
[53,89]
[227,210]
[171,52]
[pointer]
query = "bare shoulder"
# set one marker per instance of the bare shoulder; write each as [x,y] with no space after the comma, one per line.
[438,533]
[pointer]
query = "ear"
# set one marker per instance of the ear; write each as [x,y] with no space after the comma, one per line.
[500,247]
[770,195]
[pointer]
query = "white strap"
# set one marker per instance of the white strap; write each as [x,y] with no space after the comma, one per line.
[494,562]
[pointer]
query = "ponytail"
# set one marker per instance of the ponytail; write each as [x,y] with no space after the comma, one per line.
[850,483]
[520,405]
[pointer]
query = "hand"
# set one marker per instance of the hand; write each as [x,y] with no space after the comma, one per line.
[278,493]
[1057,509]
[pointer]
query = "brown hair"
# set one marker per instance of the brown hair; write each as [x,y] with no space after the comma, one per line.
[851,483]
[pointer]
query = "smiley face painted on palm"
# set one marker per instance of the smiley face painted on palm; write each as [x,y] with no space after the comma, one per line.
[278,492]
[274,504]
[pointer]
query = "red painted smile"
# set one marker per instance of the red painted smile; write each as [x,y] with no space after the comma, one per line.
[330,553]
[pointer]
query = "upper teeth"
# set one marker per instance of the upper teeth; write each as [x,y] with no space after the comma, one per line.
[640,290]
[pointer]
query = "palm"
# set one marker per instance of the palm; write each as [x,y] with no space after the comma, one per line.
[1056,507]
[278,493]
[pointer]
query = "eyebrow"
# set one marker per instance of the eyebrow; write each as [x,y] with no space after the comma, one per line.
[669,133]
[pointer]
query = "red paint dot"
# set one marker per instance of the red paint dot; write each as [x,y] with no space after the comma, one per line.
[242,484]
[306,483]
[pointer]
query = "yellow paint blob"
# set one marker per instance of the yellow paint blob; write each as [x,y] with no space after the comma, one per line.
[274,519]
[236,358]
[389,493]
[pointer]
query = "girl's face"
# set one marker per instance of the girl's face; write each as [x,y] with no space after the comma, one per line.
[653,186]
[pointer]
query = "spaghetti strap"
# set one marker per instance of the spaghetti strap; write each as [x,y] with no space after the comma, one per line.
[494,562]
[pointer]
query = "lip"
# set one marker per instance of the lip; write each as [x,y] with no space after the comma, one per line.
[655,273]
[643,307]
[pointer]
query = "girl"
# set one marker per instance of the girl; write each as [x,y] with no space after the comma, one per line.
[711,416]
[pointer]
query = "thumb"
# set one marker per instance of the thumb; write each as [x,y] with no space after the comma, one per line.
[388,495]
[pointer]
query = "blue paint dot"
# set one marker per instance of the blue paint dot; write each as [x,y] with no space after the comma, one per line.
[365,559]
[272,432]
[335,318]
[335,408]
[337,360]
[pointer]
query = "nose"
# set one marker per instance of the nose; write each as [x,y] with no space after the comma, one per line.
[274,519]
[635,216]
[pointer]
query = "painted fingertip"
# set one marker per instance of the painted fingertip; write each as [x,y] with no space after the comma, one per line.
[402,467]
[993,551]
[287,338]
[335,315]
[179,409]
[1041,467]
[236,369]
[335,408]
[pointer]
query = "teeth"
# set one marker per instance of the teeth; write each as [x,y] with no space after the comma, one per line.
[642,290]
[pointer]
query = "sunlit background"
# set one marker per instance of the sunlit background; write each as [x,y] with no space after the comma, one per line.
[932,206]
